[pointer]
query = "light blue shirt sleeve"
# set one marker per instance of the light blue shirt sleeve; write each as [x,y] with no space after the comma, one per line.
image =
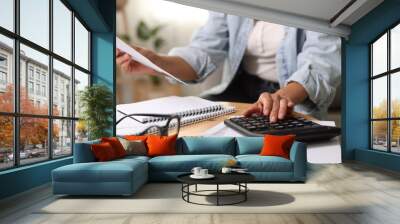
[319,68]
[208,48]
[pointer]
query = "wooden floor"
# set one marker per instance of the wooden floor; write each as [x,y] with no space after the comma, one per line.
[379,189]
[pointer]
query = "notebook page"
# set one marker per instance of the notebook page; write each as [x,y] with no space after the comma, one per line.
[183,106]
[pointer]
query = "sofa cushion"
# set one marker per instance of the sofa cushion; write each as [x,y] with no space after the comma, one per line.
[185,163]
[206,145]
[257,163]
[112,171]
[249,145]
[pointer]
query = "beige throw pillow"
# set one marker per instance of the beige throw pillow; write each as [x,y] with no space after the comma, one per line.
[134,148]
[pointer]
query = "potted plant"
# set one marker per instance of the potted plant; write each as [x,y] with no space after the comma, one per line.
[96,103]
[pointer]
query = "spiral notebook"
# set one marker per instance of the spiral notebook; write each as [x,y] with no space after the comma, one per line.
[191,109]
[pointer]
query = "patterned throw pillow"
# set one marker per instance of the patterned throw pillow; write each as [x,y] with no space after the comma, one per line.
[134,147]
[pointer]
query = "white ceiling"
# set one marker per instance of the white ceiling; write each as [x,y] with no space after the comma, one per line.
[316,15]
[321,9]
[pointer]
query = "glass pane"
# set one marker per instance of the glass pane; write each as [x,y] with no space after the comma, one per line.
[6,74]
[395,47]
[6,142]
[81,131]
[81,81]
[34,92]
[7,14]
[62,29]
[395,94]
[35,21]
[379,135]
[62,89]
[379,97]
[81,45]
[33,140]
[379,55]
[62,138]
[395,136]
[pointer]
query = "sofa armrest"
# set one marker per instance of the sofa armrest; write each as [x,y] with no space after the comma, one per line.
[298,155]
[83,152]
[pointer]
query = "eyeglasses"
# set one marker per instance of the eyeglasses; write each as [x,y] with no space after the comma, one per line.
[171,126]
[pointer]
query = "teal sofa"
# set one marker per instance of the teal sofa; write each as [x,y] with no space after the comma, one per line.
[125,176]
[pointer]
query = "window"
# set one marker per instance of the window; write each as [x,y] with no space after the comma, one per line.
[30,87]
[37,89]
[385,95]
[3,71]
[38,74]
[7,14]
[44,91]
[41,129]
[3,61]
[81,45]
[6,89]
[30,72]
[3,78]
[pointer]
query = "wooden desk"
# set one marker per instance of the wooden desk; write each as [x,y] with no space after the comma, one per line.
[199,128]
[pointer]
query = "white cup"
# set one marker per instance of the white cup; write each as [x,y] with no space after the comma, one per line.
[226,170]
[196,171]
[203,172]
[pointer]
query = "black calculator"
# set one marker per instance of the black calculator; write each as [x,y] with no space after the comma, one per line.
[305,130]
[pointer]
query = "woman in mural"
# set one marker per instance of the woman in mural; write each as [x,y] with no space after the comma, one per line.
[279,68]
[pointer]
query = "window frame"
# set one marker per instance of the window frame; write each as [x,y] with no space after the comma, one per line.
[388,74]
[51,118]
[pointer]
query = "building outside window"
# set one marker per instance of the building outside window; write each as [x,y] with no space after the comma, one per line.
[385,94]
[57,128]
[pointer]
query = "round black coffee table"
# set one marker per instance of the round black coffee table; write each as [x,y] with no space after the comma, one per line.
[238,179]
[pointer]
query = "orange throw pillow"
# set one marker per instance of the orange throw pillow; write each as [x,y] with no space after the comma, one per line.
[136,137]
[161,145]
[116,145]
[277,145]
[103,152]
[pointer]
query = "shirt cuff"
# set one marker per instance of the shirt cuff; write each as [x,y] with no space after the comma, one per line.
[304,78]
[198,60]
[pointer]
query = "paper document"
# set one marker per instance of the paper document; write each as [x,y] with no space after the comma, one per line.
[324,152]
[122,46]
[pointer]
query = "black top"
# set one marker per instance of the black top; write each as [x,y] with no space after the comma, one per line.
[220,178]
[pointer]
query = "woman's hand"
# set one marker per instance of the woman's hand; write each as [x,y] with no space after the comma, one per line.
[273,105]
[279,104]
[128,65]
[172,64]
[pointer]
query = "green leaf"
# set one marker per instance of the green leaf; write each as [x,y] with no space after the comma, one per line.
[155,30]
[143,31]
[158,43]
